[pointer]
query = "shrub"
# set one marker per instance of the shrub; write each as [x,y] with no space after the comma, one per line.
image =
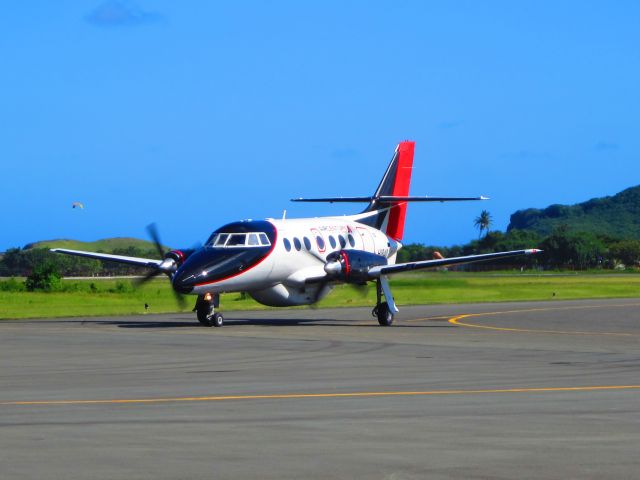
[123,287]
[44,277]
[12,285]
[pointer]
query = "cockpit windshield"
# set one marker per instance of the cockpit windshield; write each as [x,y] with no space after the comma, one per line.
[234,240]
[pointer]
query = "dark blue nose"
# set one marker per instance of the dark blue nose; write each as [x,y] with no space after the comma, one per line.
[183,281]
[209,265]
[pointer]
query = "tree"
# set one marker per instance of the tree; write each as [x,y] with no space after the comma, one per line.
[43,277]
[483,222]
[575,250]
[626,251]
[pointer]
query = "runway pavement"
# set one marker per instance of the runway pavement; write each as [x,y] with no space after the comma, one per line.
[517,390]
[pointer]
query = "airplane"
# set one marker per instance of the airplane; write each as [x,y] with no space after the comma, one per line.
[290,262]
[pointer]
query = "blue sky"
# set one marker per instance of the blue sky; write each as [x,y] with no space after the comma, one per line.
[193,114]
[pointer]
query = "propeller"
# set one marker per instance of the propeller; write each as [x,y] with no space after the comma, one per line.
[333,267]
[319,291]
[361,289]
[168,265]
[152,230]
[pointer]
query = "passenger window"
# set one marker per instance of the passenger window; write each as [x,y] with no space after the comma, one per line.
[297,244]
[307,243]
[352,241]
[332,242]
[287,244]
[343,242]
[264,240]
[320,243]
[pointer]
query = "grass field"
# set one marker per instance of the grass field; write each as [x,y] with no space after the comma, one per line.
[116,297]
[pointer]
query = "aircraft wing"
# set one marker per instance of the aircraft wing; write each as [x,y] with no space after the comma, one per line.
[444,262]
[141,262]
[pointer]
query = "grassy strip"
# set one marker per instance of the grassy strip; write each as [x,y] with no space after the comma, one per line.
[116,297]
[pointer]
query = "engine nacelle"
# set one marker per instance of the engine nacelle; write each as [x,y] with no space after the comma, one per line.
[173,259]
[179,256]
[352,266]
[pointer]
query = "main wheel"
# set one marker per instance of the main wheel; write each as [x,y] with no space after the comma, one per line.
[385,317]
[217,320]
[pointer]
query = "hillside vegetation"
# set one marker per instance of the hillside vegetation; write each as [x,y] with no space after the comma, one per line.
[601,233]
[106,245]
[22,262]
[616,216]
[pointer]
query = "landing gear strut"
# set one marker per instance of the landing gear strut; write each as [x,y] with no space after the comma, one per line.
[384,311]
[205,310]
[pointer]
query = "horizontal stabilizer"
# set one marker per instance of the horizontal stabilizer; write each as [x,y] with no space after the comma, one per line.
[388,199]
[392,199]
[335,199]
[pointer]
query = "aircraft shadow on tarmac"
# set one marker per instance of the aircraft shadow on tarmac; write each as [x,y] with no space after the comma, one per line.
[230,323]
[262,322]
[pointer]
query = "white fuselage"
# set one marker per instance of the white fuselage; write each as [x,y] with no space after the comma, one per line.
[299,254]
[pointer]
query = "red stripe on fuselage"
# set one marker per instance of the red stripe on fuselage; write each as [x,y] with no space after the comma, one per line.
[397,214]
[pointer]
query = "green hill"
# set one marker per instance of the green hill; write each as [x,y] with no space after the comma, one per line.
[107,245]
[616,216]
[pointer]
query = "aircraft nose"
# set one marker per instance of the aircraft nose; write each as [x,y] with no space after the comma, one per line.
[183,282]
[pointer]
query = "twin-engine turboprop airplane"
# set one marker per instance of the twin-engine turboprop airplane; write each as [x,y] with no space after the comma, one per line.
[291,262]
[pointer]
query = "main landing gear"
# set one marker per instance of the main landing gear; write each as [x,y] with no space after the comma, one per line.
[205,310]
[384,311]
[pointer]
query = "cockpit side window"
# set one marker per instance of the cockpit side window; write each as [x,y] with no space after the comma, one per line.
[253,239]
[220,239]
[237,240]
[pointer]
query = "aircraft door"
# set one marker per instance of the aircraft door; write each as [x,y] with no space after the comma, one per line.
[367,239]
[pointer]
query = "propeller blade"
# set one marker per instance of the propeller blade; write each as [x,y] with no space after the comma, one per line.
[362,290]
[137,282]
[321,287]
[180,300]
[152,230]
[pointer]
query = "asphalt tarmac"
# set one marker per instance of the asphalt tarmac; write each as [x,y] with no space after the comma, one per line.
[491,391]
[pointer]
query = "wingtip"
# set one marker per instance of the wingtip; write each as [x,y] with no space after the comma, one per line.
[532,251]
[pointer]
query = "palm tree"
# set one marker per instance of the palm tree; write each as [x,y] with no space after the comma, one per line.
[483,222]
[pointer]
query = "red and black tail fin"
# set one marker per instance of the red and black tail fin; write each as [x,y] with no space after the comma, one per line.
[387,207]
[395,183]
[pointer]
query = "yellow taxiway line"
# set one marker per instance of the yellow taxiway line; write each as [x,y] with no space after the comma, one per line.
[457,320]
[325,395]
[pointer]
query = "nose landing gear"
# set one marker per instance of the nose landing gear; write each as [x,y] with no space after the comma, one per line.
[205,310]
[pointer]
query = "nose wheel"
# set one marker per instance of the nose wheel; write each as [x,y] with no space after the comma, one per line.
[205,310]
